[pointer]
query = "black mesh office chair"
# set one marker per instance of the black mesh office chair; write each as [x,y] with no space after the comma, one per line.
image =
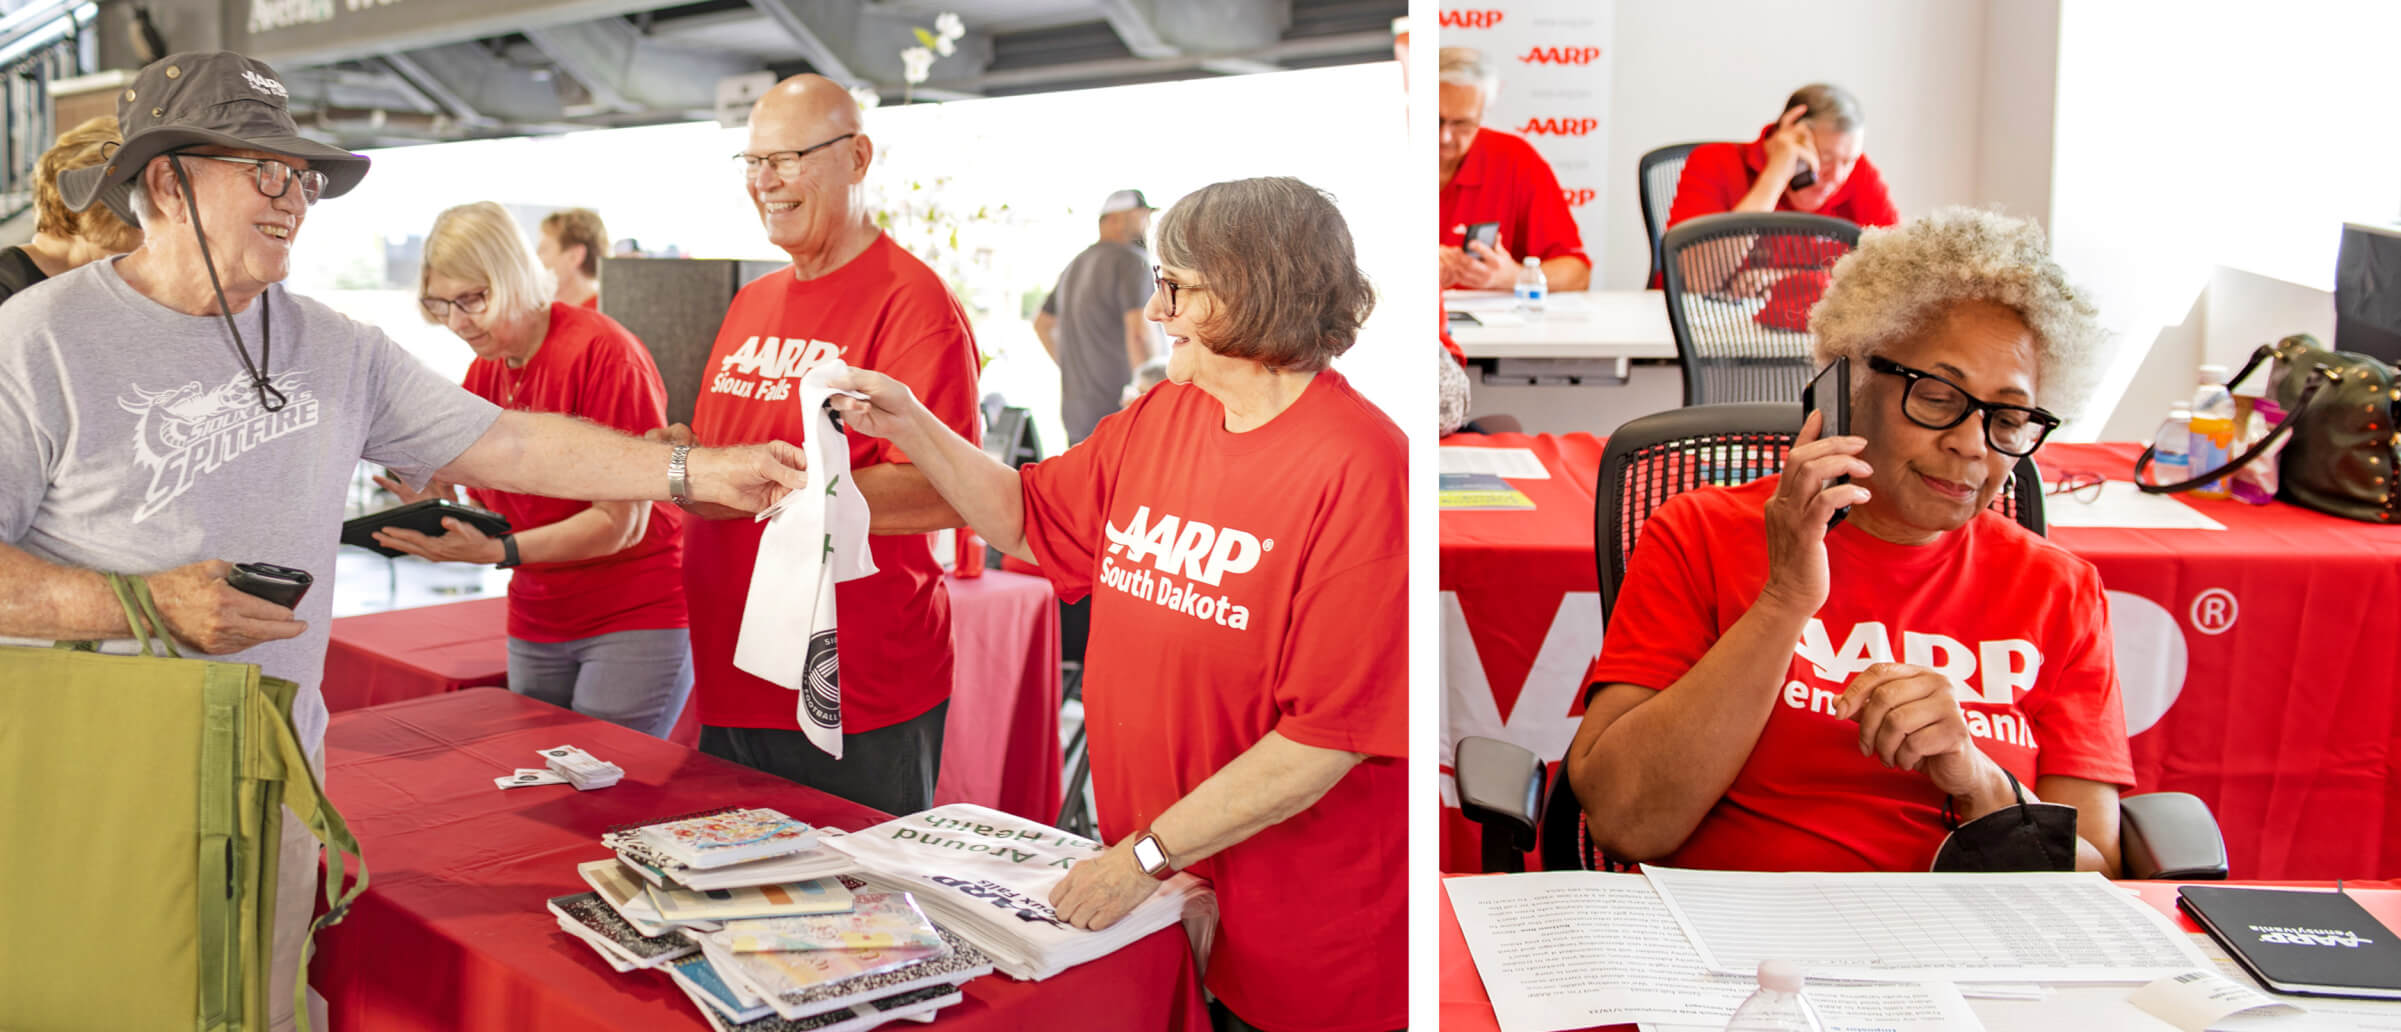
[1727,354]
[1646,462]
[1656,176]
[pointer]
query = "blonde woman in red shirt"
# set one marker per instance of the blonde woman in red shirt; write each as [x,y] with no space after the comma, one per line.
[596,607]
[1241,530]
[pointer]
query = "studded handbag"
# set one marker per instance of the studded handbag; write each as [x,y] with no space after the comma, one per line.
[2342,414]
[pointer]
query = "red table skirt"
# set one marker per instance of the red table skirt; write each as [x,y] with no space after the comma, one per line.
[1467,1008]
[452,933]
[1000,743]
[2257,662]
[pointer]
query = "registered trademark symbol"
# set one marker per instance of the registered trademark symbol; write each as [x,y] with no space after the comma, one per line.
[1268,545]
[2214,611]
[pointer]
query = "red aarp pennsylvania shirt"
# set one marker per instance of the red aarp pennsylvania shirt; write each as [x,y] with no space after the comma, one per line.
[2019,624]
[1241,584]
[1503,179]
[885,311]
[587,366]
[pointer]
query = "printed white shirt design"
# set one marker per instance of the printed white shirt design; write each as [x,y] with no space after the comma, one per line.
[1173,546]
[188,432]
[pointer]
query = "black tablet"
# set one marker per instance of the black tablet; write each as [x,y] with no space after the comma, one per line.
[423,517]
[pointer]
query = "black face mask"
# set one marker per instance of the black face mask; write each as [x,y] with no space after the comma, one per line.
[2022,837]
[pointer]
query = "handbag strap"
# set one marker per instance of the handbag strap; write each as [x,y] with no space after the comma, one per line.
[141,616]
[305,798]
[2319,377]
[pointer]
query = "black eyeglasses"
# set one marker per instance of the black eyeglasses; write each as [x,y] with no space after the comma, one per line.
[787,163]
[1171,287]
[274,178]
[1938,404]
[2082,485]
[472,304]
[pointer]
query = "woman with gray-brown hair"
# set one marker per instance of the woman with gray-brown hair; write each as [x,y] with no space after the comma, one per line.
[1242,529]
[1778,695]
[64,239]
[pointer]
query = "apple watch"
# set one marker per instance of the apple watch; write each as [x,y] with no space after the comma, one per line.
[679,490]
[508,551]
[1151,855]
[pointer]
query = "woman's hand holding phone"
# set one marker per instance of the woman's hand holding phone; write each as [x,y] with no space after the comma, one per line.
[1802,509]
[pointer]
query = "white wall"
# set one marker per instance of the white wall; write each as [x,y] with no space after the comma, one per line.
[1718,69]
[2017,106]
[2191,136]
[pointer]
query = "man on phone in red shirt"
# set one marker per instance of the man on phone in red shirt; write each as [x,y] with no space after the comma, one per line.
[1493,176]
[1820,143]
[854,295]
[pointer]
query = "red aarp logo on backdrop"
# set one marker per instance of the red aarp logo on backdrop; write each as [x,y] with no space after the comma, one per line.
[1561,55]
[1558,126]
[1579,196]
[1470,19]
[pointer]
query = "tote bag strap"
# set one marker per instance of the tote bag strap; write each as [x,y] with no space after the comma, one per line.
[141,615]
[2318,379]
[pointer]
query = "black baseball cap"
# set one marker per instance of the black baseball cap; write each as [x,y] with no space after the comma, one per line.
[204,98]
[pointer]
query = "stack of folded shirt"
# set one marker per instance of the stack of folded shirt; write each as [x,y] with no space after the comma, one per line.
[987,875]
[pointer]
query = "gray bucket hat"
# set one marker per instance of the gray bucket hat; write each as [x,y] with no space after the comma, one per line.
[206,98]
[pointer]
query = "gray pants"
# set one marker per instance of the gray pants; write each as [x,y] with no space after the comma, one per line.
[890,768]
[634,678]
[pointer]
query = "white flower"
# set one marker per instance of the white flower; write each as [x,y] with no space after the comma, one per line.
[867,97]
[915,62]
[949,27]
[943,46]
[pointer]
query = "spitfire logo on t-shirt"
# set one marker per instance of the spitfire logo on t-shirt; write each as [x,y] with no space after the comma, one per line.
[188,432]
[1174,547]
[767,368]
[2001,669]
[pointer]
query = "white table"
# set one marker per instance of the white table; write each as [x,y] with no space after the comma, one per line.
[1606,324]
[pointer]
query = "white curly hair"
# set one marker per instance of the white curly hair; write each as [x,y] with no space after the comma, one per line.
[1902,279]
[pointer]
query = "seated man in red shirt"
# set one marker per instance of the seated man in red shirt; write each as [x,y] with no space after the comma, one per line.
[1774,695]
[854,295]
[1822,131]
[1492,176]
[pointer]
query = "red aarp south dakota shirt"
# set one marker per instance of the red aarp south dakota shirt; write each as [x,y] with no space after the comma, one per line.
[2018,622]
[1241,584]
[1503,179]
[885,311]
[587,366]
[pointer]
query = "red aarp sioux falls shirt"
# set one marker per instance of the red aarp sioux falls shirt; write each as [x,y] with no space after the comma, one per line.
[2018,623]
[884,311]
[1241,584]
[587,366]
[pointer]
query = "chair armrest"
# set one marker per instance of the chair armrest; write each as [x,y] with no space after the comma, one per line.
[2172,836]
[1500,788]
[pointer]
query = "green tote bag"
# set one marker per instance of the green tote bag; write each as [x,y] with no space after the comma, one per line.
[142,803]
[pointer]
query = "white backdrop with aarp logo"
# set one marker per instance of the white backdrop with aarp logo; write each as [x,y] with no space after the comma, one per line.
[1553,58]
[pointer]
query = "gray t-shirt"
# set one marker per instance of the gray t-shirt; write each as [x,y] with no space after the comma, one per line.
[1094,293]
[131,440]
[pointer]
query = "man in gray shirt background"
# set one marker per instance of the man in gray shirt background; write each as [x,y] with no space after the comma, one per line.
[1092,322]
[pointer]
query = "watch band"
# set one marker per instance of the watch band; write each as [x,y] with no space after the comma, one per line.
[508,551]
[679,488]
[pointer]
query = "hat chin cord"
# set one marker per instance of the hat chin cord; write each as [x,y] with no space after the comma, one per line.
[269,397]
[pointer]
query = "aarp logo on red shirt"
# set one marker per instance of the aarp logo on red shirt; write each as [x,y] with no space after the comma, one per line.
[1558,126]
[1579,196]
[1470,19]
[1561,55]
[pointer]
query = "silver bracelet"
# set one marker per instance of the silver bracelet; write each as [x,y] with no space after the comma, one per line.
[679,490]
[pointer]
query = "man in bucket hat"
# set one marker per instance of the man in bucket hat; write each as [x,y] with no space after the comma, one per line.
[175,409]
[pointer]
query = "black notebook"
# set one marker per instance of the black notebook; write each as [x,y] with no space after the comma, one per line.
[2319,943]
[424,517]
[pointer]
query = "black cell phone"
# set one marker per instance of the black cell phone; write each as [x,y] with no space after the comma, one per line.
[1487,232]
[281,585]
[1830,392]
[1803,176]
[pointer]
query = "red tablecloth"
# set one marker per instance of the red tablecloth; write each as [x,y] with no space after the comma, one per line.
[452,933]
[1000,743]
[2259,662]
[1467,1008]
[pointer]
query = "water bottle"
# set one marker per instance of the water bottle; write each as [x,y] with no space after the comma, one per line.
[1777,1005]
[2212,430]
[1532,286]
[2171,461]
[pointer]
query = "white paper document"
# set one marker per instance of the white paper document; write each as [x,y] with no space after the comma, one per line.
[1572,949]
[2195,1000]
[1506,463]
[2123,505]
[2051,927]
